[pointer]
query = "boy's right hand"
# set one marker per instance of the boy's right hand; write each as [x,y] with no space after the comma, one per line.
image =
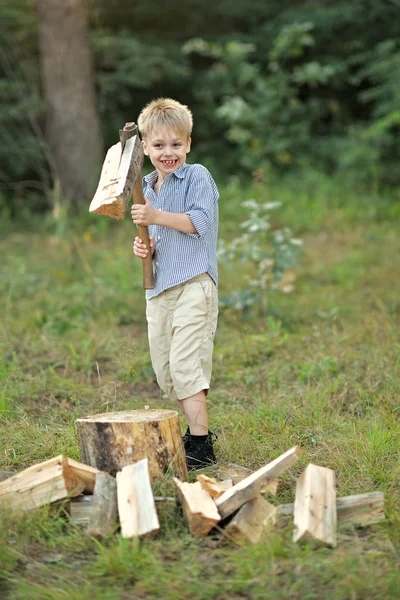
[139,248]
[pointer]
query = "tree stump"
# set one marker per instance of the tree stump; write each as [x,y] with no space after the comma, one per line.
[110,441]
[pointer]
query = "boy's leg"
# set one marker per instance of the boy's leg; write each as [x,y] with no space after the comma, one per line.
[195,410]
[159,333]
[193,327]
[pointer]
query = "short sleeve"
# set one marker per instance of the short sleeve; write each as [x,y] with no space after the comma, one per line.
[201,199]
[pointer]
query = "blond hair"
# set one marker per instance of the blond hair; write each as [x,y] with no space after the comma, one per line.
[165,113]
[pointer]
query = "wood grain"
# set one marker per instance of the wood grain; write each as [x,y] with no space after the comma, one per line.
[110,441]
[251,486]
[200,510]
[315,506]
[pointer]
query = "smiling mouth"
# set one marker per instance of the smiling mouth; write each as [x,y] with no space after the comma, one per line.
[169,163]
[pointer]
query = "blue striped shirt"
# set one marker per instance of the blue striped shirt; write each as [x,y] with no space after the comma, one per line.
[180,256]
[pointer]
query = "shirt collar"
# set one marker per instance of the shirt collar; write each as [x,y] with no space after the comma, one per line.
[180,173]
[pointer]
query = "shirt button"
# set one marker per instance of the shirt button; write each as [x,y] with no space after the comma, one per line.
[156,264]
[158,208]
[159,237]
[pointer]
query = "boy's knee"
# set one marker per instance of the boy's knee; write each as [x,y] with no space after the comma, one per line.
[187,378]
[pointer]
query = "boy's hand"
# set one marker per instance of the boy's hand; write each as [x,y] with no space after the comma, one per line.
[143,214]
[140,250]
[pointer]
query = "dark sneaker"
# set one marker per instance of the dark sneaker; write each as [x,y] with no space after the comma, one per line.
[200,454]
[186,439]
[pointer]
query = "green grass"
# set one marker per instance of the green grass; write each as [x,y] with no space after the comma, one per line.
[321,370]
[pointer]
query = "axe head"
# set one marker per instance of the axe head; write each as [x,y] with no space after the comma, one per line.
[121,169]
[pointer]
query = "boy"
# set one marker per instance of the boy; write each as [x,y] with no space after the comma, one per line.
[181,211]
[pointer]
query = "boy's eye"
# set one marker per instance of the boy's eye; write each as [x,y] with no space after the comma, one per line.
[177,144]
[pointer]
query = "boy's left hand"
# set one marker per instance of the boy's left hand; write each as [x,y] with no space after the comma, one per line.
[143,214]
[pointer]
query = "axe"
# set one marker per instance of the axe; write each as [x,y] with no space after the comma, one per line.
[120,180]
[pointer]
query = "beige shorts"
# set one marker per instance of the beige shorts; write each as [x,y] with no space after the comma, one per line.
[181,326]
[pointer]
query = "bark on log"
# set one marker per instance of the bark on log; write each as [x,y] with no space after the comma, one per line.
[110,441]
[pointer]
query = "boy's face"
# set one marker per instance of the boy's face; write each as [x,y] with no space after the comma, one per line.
[167,150]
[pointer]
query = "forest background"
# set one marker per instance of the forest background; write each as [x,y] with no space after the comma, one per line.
[284,86]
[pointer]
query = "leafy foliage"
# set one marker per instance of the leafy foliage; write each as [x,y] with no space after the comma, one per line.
[269,252]
[283,86]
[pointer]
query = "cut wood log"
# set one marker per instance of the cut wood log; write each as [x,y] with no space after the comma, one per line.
[237,473]
[251,486]
[130,169]
[363,509]
[41,484]
[111,441]
[315,506]
[251,520]
[121,168]
[271,489]
[136,506]
[360,509]
[104,201]
[86,473]
[213,487]
[104,513]
[80,510]
[200,510]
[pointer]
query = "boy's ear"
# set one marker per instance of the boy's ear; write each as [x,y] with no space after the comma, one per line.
[189,143]
[145,150]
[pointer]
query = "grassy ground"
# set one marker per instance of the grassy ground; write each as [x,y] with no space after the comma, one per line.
[320,370]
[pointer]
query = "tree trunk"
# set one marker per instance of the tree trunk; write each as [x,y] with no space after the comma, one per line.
[72,122]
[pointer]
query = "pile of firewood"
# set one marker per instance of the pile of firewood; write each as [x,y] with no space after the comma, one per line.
[236,507]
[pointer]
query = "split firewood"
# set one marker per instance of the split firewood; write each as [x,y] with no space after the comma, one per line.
[80,510]
[363,509]
[86,473]
[121,169]
[136,506]
[271,488]
[251,520]
[315,506]
[200,510]
[41,484]
[213,487]
[105,200]
[251,486]
[110,441]
[360,509]
[104,514]
[237,473]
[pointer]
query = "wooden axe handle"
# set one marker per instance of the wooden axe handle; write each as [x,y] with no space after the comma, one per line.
[138,198]
[129,130]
